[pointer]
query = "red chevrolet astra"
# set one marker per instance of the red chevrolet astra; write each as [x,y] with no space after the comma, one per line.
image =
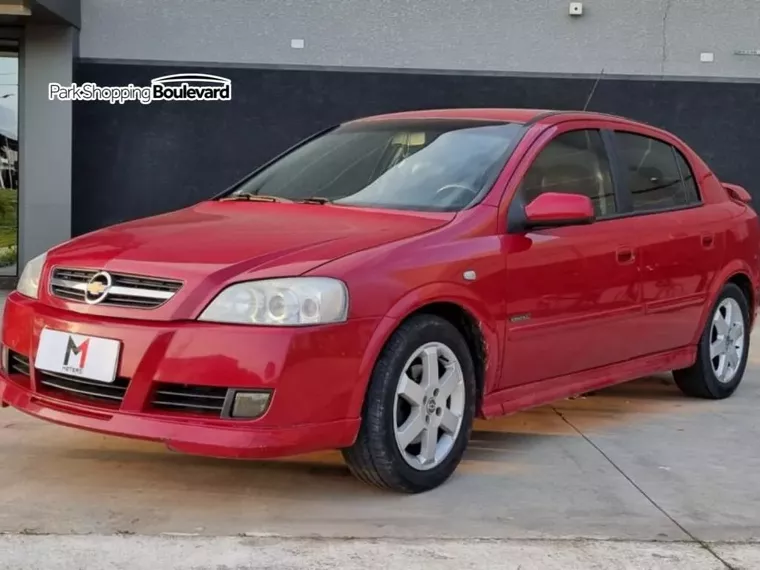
[381,284]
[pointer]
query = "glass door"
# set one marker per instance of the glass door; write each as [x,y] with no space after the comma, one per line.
[8,158]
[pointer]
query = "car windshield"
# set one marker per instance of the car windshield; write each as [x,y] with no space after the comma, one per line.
[428,164]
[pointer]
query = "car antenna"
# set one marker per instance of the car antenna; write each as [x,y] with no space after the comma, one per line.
[593,89]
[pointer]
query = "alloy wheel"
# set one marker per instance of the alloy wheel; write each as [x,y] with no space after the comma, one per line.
[429,406]
[727,340]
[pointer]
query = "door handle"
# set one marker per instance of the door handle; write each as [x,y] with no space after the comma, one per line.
[625,256]
[708,240]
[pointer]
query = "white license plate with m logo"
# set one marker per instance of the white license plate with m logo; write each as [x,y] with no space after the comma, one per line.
[88,357]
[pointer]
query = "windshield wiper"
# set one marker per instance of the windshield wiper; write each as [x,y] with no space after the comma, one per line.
[253,198]
[315,200]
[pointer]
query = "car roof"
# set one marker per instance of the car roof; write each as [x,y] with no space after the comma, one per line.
[532,116]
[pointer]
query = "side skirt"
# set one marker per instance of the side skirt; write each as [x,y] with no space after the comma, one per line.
[517,398]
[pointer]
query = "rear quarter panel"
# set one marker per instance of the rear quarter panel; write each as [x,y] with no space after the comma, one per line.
[738,235]
[741,255]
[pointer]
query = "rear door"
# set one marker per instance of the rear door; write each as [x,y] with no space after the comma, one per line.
[681,245]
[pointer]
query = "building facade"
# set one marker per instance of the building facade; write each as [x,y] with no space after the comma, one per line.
[297,66]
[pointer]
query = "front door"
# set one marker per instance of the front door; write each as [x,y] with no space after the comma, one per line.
[573,293]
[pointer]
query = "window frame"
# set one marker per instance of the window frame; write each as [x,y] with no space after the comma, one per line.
[512,205]
[625,189]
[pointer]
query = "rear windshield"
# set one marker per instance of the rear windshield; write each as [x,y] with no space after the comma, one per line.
[429,164]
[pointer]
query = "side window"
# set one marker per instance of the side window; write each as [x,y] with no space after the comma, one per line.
[573,163]
[653,171]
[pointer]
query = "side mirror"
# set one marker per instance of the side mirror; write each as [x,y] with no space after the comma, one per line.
[555,209]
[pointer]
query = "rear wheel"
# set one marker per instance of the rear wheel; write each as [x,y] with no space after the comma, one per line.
[722,350]
[419,409]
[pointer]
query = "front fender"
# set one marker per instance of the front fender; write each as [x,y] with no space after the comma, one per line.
[411,303]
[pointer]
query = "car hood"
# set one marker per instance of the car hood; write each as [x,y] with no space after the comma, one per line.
[219,241]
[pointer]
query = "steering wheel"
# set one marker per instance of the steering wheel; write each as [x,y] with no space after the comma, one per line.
[456,186]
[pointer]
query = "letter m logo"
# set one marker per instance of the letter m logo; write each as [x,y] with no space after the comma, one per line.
[80,351]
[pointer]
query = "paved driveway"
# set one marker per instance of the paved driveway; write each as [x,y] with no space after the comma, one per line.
[634,462]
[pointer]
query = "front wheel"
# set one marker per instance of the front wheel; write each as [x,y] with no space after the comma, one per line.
[418,410]
[722,350]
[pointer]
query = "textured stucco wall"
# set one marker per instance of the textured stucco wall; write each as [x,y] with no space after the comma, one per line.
[641,37]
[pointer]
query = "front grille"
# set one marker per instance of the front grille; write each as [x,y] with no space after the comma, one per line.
[206,400]
[81,388]
[18,364]
[132,291]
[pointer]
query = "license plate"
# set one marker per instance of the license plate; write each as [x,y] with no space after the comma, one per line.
[89,357]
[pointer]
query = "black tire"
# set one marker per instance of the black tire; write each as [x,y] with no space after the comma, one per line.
[375,457]
[700,380]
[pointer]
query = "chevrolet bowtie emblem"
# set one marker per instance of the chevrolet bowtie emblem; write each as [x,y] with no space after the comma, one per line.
[96,288]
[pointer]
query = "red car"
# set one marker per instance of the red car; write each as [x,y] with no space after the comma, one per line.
[381,284]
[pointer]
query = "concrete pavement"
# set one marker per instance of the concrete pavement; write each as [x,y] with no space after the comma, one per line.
[635,476]
[227,553]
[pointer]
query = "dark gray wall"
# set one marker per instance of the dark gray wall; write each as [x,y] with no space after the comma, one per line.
[133,160]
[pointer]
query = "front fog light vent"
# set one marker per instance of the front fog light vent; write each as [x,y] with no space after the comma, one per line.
[249,405]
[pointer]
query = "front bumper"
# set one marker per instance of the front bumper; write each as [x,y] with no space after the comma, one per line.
[312,372]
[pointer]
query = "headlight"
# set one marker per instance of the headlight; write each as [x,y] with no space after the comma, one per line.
[289,302]
[29,282]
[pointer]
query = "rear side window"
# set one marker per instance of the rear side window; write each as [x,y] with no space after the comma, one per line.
[657,174]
